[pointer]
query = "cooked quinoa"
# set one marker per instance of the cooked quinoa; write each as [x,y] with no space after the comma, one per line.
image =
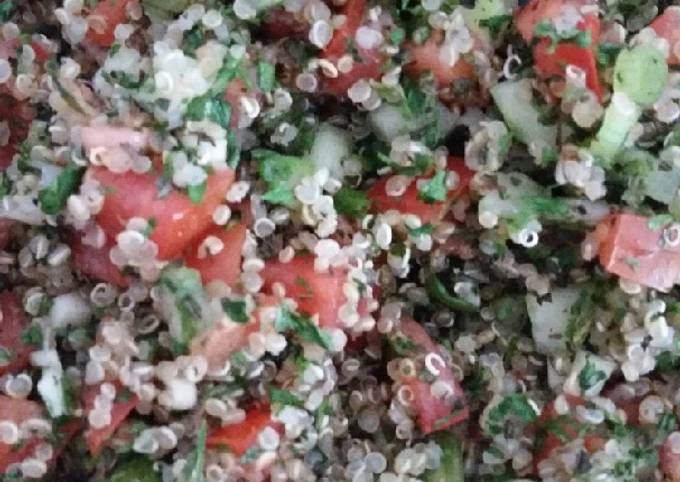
[339,240]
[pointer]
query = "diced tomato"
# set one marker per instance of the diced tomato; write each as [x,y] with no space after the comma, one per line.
[667,26]
[433,413]
[279,24]
[96,438]
[18,116]
[425,58]
[12,325]
[553,63]
[314,292]
[107,14]
[239,437]
[368,63]
[225,265]
[5,231]
[41,52]
[566,425]
[18,411]
[95,263]
[178,221]
[225,338]
[409,202]
[632,250]
[669,460]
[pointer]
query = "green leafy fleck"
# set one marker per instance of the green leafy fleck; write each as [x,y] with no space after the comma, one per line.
[193,39]
[351,202]
[434,190]
[6,10]
[516,405]
[151,224]
[403,345]
[496,24]
[303,327]
[53,198]
[266,76]
[5,185]
[438,292]
[452,467]
[236,310]
[215,109]
[137,469]
[284,397]
[32,335]
[590,376]
[659,221]
[6,355]
[397,35]
[281,173]
[581,317]
[196,192]
[421,231]
[546,29]
[193,470]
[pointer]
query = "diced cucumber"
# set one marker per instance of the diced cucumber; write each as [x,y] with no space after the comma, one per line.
[549,319]
[641,72]
[331,146]
[662,186]
[451,468]
[619,118]
[513,99]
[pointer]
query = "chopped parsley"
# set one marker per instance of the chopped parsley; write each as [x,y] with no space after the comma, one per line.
[303,327]
[266,76]
[6,10]
[194,469]
[32,335]
[434,190]
[53,198]
[351,202]
[590,376]
[284,397]
[236,310]
[196,192]
[214,108]
[516,405]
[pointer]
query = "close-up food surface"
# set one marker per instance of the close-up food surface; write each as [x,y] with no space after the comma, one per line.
[340,240]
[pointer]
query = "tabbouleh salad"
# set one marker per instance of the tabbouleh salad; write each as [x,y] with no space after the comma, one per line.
[339,240]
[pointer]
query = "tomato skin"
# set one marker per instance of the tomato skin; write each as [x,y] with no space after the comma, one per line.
[96,438]
[409,202]
[95,263]
[425,58]
[592,442]
[667,26]
[553,63]
[225,265]
[314,292]
[113,13]
[669,461]
[632,250]
[433,413]
[18,411]
[239,437]
[19,116]
[370,60]
[14,322]
[178,220]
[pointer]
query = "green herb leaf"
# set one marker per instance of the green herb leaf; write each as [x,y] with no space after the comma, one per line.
[196,192]
[5,185]
[452,467]
[438,292]
[434,190]
[303,327]
[138,469]
[581,317]
[403,345]
[422,230]
[590,376]
[266,76]
[6,10]
[516,405]
[236,310]
[281,173]
[193,470]
[215,109]
[496,24]
[53,198]
[233,150]
[193,39]
[283,397]
[351,202]
[32,335]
